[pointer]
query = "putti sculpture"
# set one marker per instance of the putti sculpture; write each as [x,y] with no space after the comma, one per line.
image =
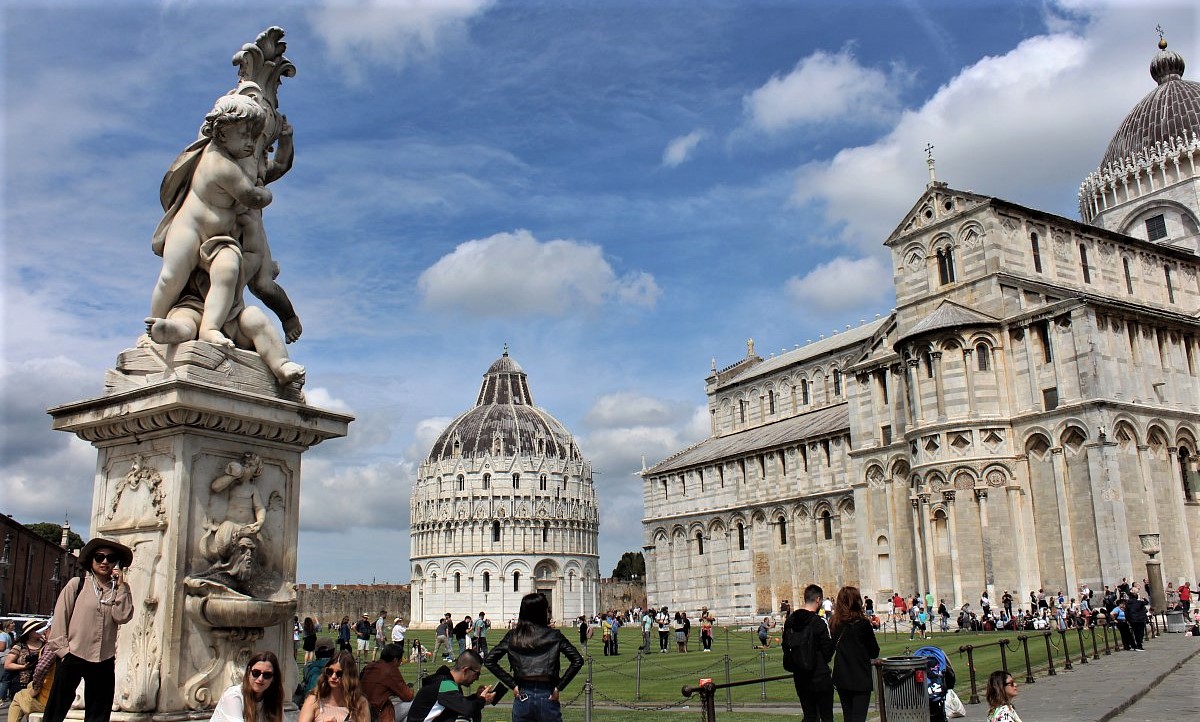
[201,426]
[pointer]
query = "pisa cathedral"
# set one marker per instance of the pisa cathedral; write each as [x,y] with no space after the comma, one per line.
[503,506]
[1029,408]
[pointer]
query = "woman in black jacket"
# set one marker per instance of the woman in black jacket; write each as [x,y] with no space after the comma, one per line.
[854,648]
[533,650]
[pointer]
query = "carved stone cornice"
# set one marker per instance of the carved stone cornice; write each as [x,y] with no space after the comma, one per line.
[157,409]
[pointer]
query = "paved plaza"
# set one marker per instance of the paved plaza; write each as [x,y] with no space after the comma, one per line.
[1158,684]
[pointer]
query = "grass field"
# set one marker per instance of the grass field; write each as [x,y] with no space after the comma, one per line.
[656,679]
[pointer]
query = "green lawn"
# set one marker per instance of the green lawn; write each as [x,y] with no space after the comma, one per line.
[658,678]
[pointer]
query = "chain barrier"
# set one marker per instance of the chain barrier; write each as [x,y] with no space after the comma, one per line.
[576,697]
[641,708]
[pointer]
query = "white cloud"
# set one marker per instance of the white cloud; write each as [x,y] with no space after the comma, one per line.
[336,496]
[515,275]
[823,87]
[842,283]
[679,149]
[397,31]
[427,432]
[1022,126]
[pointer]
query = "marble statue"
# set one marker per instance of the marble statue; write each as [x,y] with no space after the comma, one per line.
[211,237]
[229,544]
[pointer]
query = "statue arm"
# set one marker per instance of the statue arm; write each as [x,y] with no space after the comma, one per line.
[285,153]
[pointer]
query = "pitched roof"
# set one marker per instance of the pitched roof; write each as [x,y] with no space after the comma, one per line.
[812,350]
[949,314]
[814,423]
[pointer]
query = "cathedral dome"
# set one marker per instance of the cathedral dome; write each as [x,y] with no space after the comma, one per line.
[504,422]
[1170,112]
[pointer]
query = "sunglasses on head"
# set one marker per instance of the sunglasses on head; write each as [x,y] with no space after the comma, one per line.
[333,672]
[256,673]
[104,557]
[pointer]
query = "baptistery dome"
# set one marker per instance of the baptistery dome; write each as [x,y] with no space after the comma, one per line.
[503,505]
[504,421]
[1147,182]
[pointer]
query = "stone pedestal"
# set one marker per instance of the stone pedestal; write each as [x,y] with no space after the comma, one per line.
[1158,595]
[198,471]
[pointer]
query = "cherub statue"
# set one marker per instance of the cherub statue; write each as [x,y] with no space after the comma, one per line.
[213,243]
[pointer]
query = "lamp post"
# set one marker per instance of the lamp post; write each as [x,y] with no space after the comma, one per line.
[1152,546]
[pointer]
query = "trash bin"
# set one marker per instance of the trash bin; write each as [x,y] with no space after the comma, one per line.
[1176,621]
[905,698]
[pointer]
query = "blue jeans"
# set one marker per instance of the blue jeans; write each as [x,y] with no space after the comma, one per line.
[534,704]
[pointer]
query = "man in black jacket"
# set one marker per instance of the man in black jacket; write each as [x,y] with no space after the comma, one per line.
[1138,618]
[807,651]
[441,698]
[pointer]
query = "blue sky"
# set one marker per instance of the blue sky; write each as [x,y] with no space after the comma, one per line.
[621,191]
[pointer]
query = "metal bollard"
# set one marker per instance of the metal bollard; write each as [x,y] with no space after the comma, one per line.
[708,705]
[1066,649]
[1024,640]
[1082,650]
[1095,649]
[728,689]
[762,673]
[1049,653]
[1107,651]
[1003,645]
[587,693]
[970,650]
[637,680]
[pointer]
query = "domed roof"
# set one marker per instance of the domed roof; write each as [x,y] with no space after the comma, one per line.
[1169,112]
[504,422]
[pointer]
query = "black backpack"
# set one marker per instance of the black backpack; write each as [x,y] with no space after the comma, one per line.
[799,647]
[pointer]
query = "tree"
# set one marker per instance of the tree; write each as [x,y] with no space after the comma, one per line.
[52,533]
[632,564]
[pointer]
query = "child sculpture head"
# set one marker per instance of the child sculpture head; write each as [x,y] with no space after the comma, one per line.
[234,123]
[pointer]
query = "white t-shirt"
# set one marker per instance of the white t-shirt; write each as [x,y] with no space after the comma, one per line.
[398,631]
[230,707]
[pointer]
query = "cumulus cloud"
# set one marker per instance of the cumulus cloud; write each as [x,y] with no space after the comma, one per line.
[395,31]
[823,87]
[679,149]
[427,432]
[842,284]
[336,496]
[516,275]
[1022,126]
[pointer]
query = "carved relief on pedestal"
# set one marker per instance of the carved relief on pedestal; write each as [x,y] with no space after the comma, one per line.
[141,488]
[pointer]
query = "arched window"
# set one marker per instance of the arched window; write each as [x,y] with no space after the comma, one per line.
[462,482]
[545,532]
[983,356]
[741,537]
[457,582]
[1128,276]
[516,481]
[1037,252]
[782,531]
[542,483]
[700,543]
[827,524]
[1083,264]
[495,531]
[664,488]
[487,582]
[945,258]
[487,481]
[770,402]
[837,383]
[804,391]
[516,581]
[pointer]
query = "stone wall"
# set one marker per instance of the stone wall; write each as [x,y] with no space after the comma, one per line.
[330,602]
[620,594]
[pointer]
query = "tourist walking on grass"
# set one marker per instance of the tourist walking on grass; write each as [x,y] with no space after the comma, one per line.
[258,697]
[308,641]
[337,697]
[807,649]
[854,646]
[663,621]
[1001,691]
[534,650]
[706,627]
[86,616]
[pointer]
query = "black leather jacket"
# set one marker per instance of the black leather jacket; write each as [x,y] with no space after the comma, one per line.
[540,660]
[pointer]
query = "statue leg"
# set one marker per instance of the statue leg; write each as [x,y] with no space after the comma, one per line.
[223,274]
[255,325]
[180,256]
[180,325]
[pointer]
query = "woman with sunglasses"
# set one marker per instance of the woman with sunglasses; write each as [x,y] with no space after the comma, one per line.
[1001,691]
[89,609]
[337,698]
[259,697]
